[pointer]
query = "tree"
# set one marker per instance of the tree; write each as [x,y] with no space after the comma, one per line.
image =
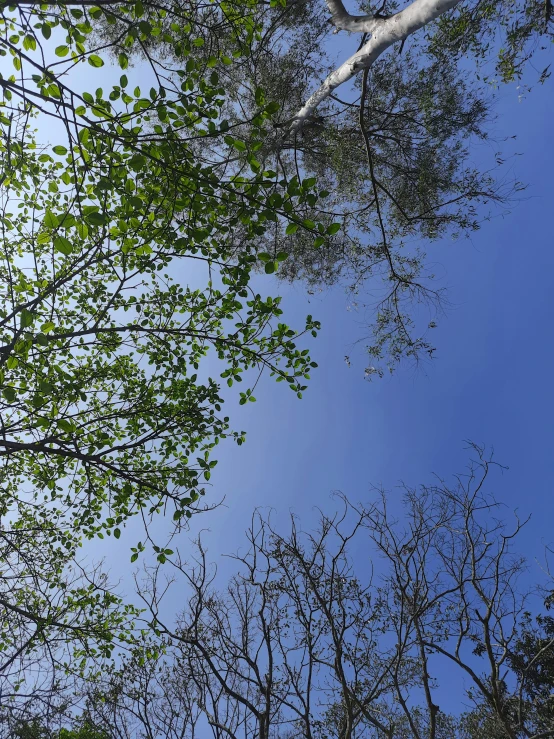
[531,701]
[119,275]
[58,616]
[306,640]
[35,730]
[522,24]
[393,148]
[100,347]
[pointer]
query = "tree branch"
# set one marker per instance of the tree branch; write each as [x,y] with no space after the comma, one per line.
[384,33]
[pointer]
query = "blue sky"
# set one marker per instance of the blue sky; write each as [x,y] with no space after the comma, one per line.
[490,380]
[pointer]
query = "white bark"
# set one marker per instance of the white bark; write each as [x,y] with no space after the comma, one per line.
[384,33]
[343,21]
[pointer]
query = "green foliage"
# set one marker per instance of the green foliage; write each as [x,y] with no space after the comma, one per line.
[104,409]
[35,729]
[85,731]
[30,730]
[120,275]
[526,692]
[505,33]
[422,110]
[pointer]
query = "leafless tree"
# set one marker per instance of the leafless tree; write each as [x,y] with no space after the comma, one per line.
[340,632]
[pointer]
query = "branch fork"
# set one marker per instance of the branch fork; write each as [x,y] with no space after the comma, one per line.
[383,31]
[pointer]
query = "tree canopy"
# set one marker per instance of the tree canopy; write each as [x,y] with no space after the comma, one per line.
[119,276]
[392,154]
[388,133]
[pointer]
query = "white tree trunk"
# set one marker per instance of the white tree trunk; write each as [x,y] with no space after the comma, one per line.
[384,32]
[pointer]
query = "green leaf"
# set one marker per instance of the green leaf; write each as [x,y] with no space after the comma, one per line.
[54,91]
[65,425]
[61,50]
[319,241]
[50,220]
[96,219]
[27,318]
[9,394]
[29,43]
[334,228]
[61,150]
[123,62]
[95,61]
[137,162]
[292,228]
[63,245]
[269,268]
[68,221]
[117,533]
